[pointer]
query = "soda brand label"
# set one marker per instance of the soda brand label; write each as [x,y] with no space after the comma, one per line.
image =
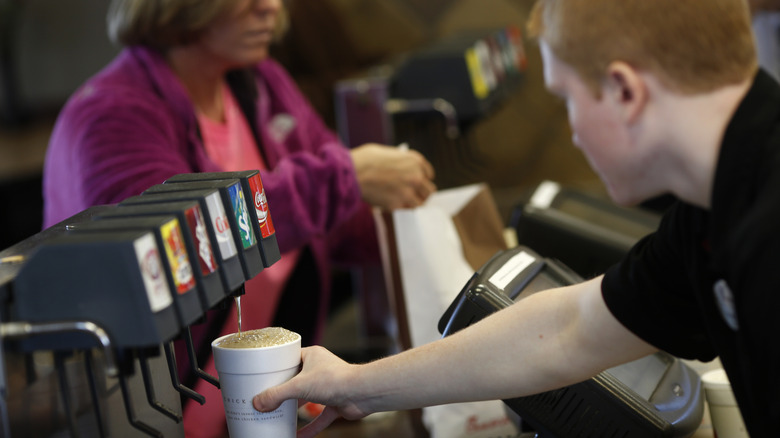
[242,215]
[200,238]
[261,206]
[221,226]
[177,256]
[149,262]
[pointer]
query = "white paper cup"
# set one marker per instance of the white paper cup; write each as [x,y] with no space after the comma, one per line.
[724,412]
[245,372]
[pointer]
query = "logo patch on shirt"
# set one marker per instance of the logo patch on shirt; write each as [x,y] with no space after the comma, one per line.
[280,126]
[725,300]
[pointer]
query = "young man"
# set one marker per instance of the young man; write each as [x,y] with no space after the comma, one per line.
[663,97]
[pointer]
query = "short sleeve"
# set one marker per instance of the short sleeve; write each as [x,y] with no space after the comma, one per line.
[653,290]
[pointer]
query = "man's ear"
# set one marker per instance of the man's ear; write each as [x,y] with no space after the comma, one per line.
[627,89]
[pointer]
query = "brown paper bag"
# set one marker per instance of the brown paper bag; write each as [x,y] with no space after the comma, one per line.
[480,228]
[429,254]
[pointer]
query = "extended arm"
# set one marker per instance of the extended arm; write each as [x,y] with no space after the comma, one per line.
[546,341]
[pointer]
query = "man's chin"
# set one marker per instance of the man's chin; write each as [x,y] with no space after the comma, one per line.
[623,197]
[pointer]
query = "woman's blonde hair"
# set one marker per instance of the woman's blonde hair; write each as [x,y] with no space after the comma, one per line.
[691,46]
[162,24]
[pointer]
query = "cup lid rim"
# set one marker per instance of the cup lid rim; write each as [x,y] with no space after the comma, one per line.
[269,347]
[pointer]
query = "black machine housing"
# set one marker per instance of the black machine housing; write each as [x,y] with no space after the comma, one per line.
[587,233]
[655,396]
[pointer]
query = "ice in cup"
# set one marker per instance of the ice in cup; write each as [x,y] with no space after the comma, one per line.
[248,364]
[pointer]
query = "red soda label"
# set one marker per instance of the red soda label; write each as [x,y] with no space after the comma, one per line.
[261,206]
[200,237]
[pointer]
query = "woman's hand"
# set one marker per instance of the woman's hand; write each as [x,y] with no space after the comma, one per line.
[391,177]
[323,379]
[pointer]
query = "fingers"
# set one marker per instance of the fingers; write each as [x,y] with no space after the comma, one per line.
[425,165]
[414,193]
[421,181]
[418,191]
[425,189]
[328,416]
[392,178]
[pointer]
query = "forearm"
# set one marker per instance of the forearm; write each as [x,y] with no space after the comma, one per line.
[547,341]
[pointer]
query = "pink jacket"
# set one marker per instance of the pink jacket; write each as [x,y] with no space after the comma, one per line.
[133,125]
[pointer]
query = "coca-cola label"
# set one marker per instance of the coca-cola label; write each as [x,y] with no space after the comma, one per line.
[150,264]
[261,206]
[180,265]
[242,215]
[200,237]
[219,221]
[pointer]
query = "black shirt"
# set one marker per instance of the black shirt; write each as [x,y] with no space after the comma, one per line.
[707,283]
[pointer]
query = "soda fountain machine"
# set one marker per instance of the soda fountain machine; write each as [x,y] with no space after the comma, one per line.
[653,397]
[87,305]
[431,98]
[189,271]
[252,185]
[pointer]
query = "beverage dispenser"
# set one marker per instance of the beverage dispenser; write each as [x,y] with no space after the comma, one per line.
[115,282]
[185,266]
[234,204]
[110,286]
[252,184]
[233,266]
[217,230]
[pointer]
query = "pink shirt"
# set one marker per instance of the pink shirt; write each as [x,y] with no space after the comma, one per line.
[230,145]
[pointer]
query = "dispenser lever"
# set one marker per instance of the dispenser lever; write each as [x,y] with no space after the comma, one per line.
[150,395]
[5,427]
[143,427]
[194,360]
[93,390]
[175,377]
[67,400]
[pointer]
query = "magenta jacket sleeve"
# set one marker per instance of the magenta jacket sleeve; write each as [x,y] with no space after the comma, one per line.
[133,126]
[312,186]
[116,137]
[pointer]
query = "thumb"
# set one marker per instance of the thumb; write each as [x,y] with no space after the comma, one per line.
[271,398]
